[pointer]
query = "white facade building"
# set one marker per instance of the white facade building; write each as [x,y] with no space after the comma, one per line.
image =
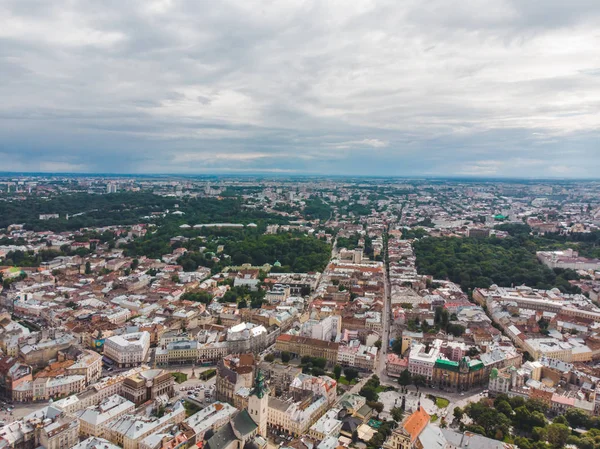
[128,349]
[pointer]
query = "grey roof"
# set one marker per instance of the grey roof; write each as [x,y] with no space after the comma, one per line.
[239,428]
[432,438]
[364,410]
[222,438]
[473,441]
[350,424]
[243,423]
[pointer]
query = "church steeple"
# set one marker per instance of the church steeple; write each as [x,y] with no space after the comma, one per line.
[260,388]
[258,403]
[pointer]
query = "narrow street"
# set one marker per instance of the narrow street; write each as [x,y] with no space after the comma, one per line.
[385,320]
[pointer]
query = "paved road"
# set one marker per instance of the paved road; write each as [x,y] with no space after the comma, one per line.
[21,410]
[385,337]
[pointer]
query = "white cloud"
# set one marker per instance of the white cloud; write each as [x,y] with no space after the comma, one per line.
[364,143]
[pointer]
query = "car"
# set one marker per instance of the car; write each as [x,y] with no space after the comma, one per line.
[462,394]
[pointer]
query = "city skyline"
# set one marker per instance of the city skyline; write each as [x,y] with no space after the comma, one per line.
[447,90]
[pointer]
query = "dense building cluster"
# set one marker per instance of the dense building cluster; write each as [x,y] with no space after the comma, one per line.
[302,313]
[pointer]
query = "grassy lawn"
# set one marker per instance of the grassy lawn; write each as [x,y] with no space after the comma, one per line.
[442,402]
[207,374]
[179,377]
[343,381]
[434,418]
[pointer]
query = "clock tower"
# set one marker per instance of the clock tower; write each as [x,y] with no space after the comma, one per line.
[258,403]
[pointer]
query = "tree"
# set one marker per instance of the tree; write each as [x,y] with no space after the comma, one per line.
[88,267]
[577,418]
[522,418]
[455,329]
[560,419]
[523,443]
[504,407]
[539,434]
[316,371]
[405,378]
[558,434]
[419,380]
[285,357]
[516,402]
[269,358]
[337,371]
[473,351]
[319,362]
[197,296]
[369,393]
[134,264]
[458,413]
[586,443]
[350,373]
[397,414]
[377,406]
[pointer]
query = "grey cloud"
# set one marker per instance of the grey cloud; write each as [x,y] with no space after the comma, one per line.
[381,87]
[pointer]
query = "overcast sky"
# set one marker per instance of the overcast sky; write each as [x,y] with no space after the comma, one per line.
[436,87]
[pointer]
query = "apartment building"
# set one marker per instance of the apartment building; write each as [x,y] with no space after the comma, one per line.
[128,430]
[129,349]
[280,376]
[148,385]
[358,355]
[422,359]
[48,427]
[178,353]
[92,419]
[295,418]
[211,417]
[301,346]
[233,372]
[327,425]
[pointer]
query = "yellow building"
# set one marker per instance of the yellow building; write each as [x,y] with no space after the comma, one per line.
[459,376]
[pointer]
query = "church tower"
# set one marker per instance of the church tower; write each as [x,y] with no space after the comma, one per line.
[258,403]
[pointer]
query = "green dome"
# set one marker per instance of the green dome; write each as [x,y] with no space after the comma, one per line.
[277,264]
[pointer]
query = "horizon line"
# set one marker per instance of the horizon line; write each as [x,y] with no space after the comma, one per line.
[293,175]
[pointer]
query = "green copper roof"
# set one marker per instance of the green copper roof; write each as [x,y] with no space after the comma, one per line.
[260,387]
[474,365]
[446,364]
